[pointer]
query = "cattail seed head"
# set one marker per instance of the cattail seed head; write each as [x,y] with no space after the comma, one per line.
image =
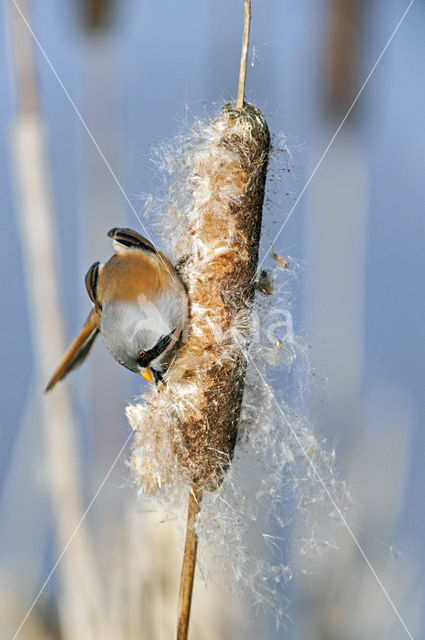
[188,428]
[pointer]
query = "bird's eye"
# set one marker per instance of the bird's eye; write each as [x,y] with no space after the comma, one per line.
[142,353]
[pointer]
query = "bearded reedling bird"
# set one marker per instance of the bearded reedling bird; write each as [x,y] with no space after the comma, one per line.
[140,307]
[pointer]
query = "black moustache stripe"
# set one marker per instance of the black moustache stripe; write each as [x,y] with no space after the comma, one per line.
[156,351]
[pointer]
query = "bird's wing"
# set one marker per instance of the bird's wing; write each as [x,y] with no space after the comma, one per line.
[94,285]
[125,239]
[78,350]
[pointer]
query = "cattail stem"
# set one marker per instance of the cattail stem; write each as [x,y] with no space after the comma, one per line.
[189,563]
[244,55]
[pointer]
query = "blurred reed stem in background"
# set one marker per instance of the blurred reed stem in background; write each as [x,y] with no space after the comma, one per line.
[80,596]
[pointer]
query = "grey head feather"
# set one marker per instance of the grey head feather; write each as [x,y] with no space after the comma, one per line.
[128,329]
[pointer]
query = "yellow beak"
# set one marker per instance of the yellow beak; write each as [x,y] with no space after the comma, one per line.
[147,375]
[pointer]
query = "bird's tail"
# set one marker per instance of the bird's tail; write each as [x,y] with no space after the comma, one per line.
[78,350]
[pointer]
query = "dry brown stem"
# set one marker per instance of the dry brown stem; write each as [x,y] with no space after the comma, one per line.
[244,54]
[189,563]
